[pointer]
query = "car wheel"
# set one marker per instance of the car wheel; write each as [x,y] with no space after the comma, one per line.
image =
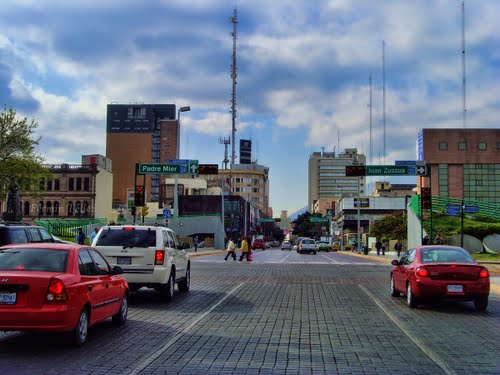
[394,292]
[167,290]
[410,298]
[481,303]
[314,252]
[186,282]
[80,334]
[121,317]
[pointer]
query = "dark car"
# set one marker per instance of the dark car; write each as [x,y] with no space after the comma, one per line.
[258,243]
[440,273]
[19,233]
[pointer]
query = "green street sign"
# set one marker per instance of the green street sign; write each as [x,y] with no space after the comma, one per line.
[159,168]
[389,170]
[266,220]
[193,166]
[319,220]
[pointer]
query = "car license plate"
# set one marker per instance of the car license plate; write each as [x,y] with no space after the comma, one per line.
[455,288]
[8,298]
[124,260]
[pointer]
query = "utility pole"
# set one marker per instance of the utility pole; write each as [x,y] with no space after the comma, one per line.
[234,75]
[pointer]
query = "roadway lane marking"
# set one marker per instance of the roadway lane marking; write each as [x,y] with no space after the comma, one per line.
[333,261]
[149,360]
[430,353]
[282,260]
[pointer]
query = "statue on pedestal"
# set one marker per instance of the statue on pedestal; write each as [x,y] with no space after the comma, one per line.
[13,206]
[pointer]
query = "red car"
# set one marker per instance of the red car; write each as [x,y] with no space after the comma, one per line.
[258,243]
[440,272]
[59,288]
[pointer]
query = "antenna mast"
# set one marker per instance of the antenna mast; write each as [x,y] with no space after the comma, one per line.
[370,106]
[234,21]
[463,65]
[383,91]
[225,141]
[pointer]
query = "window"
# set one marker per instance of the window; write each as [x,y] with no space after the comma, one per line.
[42,184]
[443,146]
[482,146]
[498,145]
[78,208]
[102,265]
[56,208]
[462,145]
[57,184]
[40,208]
[26,208]
[71,184]
[70,208]
[46,237]
[35,235]
[48,209]
[79,184]
[86,264]
[18,236]
[49,185]
[86,184]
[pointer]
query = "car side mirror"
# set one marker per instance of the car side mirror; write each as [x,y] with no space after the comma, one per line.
[117,270]
[395,262]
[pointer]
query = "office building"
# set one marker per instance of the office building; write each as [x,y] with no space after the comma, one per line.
[464,163]
[139,133]
[327,178]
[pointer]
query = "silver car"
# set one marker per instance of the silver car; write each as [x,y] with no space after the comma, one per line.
[286,245]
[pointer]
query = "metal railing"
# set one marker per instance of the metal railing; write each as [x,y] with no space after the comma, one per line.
[69,227]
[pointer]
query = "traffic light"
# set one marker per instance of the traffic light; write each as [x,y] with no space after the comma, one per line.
[208,169]
[425,196]
[133,211]
[139,195]
[355,170]
[145,210]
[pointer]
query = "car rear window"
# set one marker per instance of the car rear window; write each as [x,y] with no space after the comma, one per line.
[127,237]
[308,242]
[446,255]
[33,259]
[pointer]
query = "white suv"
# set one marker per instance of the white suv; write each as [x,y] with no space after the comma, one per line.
[150,257]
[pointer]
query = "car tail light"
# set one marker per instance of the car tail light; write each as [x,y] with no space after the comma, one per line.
[422,272]
[484,273]
[57,291]
[128,228]
[159,257]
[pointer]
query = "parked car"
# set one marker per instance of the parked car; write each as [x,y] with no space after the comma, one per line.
[18,233]
[268,244]
[335,246]
[442,273]
[59,288]
[323,246]
[307,245]
[258,243]
[286,245]
[149,255]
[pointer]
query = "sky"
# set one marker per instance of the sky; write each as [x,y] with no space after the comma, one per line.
[303,75]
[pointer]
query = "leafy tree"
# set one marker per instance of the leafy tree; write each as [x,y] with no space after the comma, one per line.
[20,163]
[304,227]
[392,226]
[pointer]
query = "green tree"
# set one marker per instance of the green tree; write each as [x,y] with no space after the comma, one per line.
[390,227]
[20,162]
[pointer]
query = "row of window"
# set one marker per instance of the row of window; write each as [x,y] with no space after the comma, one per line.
[74,184]
[463,145]
[55,209]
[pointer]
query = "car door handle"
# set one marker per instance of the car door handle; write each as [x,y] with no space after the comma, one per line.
[90,288]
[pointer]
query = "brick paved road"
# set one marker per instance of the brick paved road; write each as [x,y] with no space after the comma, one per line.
[284,313]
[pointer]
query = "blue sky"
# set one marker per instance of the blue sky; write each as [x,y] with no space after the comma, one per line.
[303,74]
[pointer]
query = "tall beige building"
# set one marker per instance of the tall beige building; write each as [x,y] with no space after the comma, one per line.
[327,179]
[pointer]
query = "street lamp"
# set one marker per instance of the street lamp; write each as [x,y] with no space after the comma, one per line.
[356,162]
[246,205]
[176,193]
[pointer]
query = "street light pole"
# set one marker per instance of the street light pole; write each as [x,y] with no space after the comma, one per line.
[359,213]
[177,153]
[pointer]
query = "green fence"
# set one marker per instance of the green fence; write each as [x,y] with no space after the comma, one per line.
[439,204]
[69,227]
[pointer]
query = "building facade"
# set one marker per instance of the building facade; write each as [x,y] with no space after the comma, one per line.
[327,179]
[78,190]
[139,133]
[464,163]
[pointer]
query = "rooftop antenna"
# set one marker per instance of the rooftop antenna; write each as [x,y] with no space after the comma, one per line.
[383,91]
[370,106]
[338,141]
[463,65]
[234,21]
[225,142]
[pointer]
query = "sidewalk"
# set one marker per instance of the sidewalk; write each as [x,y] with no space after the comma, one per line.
[493,268]
[203,251]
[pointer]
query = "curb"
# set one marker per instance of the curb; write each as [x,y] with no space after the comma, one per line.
[201,254]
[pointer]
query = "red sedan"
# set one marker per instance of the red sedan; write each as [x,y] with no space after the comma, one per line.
[258,243]
[440,272]
[59,288]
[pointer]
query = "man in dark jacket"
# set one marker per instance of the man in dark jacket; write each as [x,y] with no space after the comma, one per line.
[378,246]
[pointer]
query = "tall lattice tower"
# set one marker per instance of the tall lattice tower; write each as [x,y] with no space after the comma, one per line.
[234,74]
[226,142]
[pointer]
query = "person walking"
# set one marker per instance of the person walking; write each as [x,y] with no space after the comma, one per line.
[438,240]
[196,242]
[398,246]
[93,235]
[426,241]
[378,246]
[385,245]
[244,249]
[231,248]
[80,237]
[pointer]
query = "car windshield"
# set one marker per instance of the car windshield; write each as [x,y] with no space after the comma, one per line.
[127,237]
[33,259]
[446,255]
